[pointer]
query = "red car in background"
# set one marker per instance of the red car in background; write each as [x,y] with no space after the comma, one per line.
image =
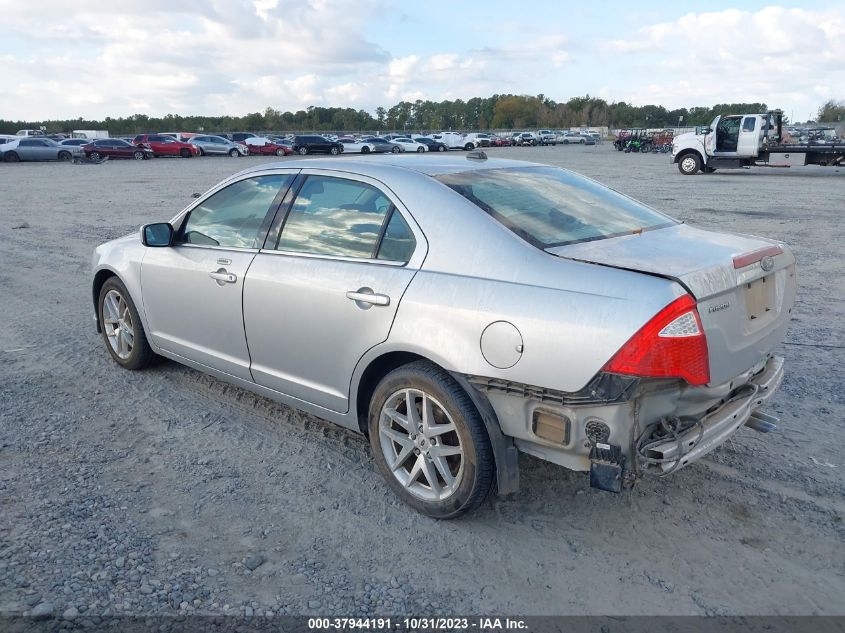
[267,148]
[498,141]
[166,145]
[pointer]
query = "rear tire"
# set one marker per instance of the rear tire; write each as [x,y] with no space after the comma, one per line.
[689,164]
[124,335]
[452,448]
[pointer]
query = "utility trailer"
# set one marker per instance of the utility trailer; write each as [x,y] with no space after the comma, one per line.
[745,140]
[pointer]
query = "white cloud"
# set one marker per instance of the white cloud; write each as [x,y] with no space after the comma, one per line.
[785,57]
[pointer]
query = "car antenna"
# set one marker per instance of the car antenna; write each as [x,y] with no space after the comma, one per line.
[477,155]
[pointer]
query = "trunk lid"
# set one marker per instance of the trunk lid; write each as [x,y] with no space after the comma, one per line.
[744,308]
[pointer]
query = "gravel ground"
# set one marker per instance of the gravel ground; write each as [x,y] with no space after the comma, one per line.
[168,491]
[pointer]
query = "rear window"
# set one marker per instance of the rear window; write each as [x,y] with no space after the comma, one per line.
[550,207]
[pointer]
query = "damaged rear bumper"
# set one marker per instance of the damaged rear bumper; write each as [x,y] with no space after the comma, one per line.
[663,453]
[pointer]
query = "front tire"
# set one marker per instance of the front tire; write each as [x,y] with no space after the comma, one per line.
[365,150]
[94,155]
[64,156]
[280,152]
[334,151]
[395,150]
[429,441]
[138,155]
[122,329]
[185,153]
[303,151]
[234,153]
[689,164]
[420,149]
[441,148]
[469,147]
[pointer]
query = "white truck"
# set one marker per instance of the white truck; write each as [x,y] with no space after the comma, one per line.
[744,140]
[90,134]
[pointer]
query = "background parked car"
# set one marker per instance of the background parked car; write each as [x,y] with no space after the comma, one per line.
[217,145]
[383,146]
[431,144]
[240,137]
[352,146]
[524,138]
[36,148]
[116,148]
[75,142]
[570,138]
[166,145]
[478,139]
[410,145]
[312,144]
[264,146]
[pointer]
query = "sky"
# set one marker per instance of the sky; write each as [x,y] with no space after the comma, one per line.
[97,58]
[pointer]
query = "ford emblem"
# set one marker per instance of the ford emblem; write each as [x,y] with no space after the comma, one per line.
[767,263]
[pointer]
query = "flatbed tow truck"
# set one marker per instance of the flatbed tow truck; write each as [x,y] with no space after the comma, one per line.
[745,140]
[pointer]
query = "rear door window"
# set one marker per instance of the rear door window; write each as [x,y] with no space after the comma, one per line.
[335,216]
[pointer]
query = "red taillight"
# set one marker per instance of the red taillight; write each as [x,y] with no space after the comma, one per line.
[671,345]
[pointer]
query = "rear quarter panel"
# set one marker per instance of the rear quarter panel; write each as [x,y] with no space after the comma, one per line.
[572,316]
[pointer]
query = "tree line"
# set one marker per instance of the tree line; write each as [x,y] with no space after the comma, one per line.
[504,111]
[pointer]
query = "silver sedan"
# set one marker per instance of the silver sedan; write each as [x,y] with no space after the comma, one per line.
[217,145]
[457,311]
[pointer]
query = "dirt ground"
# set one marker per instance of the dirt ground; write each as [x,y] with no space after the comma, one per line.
[167,490]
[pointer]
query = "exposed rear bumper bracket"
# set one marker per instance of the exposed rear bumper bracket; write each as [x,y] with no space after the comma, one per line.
[713,429]
[606,464]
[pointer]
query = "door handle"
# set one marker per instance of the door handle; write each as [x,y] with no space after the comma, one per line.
[371,298]
[222,277]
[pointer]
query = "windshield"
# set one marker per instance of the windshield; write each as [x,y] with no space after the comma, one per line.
[551,207]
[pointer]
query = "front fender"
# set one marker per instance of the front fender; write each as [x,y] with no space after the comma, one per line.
[122,258]
[687,145]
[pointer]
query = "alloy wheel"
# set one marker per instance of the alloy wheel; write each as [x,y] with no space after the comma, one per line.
[117,323]
[421,445]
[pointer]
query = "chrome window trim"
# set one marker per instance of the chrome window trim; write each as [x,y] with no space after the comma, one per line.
[217,248]
[339,258]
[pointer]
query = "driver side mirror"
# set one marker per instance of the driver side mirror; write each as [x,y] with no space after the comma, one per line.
[157,235]
[703,129]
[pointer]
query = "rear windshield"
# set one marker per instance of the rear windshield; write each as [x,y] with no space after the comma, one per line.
[551,207]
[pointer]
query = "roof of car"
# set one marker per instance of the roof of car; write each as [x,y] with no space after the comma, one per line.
[377,166]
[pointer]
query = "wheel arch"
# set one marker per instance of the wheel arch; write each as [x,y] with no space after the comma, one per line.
[100,278]
[686,152]
[505,453]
